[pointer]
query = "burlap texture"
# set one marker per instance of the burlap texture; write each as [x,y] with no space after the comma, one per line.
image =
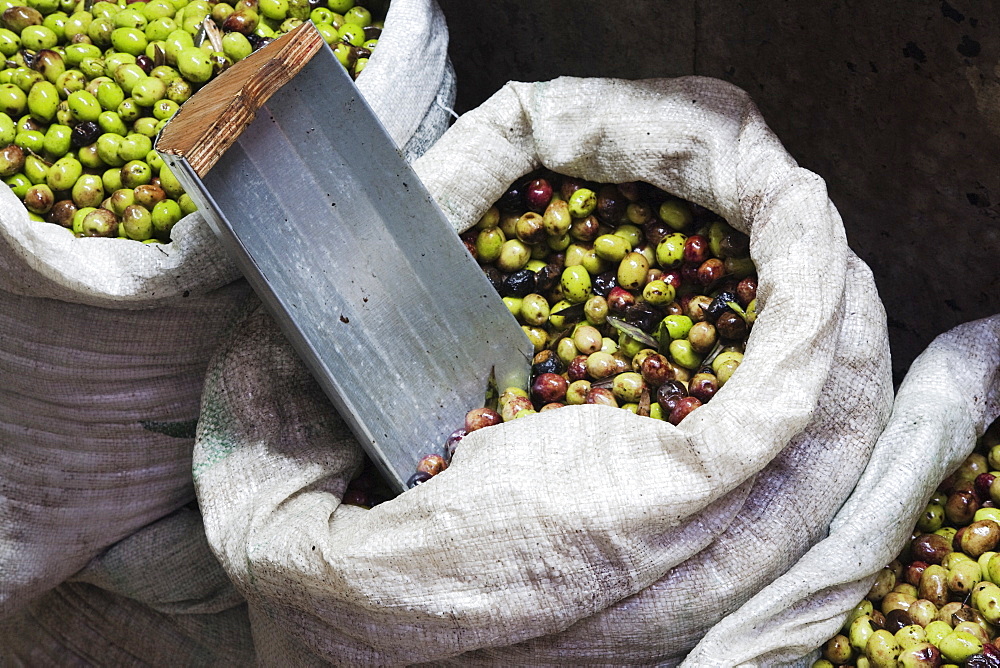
[157,598]
[104,346]
[949,396]
[587,534]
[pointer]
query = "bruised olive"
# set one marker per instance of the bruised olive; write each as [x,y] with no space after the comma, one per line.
[549,387]
[746,291]
[656,370]
[62,213]
[683,408]
[961,507]
[602,396]
[611,205]
[432,464]
[479,418]
[703,386]
[620,300]
[546,362]
[731,326]
[930,547]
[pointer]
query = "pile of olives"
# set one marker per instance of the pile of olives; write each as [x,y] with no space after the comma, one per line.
[938,603]
[86,88]
[632,297]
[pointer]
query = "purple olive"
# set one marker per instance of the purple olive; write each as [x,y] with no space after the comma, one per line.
[549,387]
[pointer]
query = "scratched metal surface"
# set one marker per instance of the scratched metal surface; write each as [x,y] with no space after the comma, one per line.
[364,274]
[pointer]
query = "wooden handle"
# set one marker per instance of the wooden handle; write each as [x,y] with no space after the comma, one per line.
[213,119]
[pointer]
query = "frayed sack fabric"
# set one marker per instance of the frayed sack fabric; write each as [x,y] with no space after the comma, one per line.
[104,345]
[949,397]
[585,535]
[158,598]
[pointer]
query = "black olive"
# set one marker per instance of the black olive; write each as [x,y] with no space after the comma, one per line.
[29,58]
[371,32]
[144,62]
[605,283]
[546,362]
[519,284]
[254,40]
[719,306]
[644,316]
[735,244]
[418,478]
[84,133]
[547,278]
[494,276]
[897,619]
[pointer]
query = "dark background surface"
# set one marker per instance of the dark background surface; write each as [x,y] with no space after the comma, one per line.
[895,104]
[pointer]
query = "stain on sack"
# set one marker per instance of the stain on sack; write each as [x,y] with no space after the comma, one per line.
[183,429]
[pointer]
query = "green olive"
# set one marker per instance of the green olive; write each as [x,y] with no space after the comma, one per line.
[632,271]
[13,100]
[88,191]
[35,168]
[136,173]
[84,106]
[582,203]
[112,179]
[30,140]
[628,386]
[683,354]
[595,310]
[64,173]
[127,75]
[18,183]
[107,149]
[194,65]
[534,309]
[130,17]
[592,263]
[958,646]
[36,38]
[677,326]
[676,213]
[358,15]
[725,357]
[43,101]
[882,649]
[138,223]
[658,293]
[611,247]
[70,81]
[576,284]
[100,223]
[109,95]
[99,31]
[670,251]
[910,635]
[9,42]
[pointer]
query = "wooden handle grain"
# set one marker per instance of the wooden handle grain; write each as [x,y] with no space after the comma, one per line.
[213,119]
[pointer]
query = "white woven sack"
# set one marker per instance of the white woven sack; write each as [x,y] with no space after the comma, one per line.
[104,345]
[582,535]
[158,598]
[949,397]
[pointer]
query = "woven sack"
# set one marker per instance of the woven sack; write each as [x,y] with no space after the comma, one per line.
[157,598]
[104,346]
[950,395]
[585,535]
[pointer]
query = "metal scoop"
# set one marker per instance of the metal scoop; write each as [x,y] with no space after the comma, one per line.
[346,248]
